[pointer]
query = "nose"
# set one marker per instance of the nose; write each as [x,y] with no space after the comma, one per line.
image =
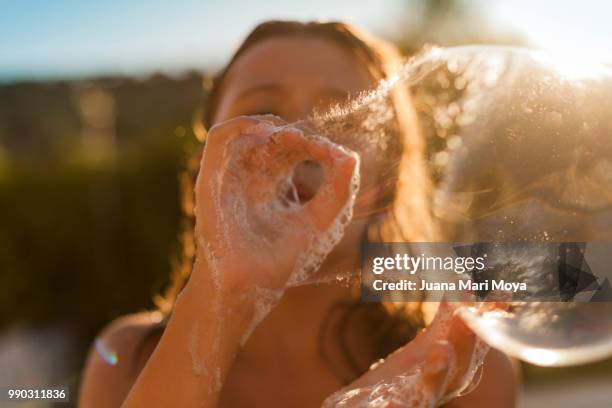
[302,105]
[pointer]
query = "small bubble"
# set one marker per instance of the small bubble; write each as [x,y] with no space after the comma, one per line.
[441,159]
[453,142]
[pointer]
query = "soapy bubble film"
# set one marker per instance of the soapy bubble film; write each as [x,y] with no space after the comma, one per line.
[531,161]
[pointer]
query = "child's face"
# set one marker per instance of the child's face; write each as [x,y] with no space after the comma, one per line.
[290,77]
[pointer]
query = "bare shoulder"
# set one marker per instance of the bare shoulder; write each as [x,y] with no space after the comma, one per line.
[498,387]
[116,358]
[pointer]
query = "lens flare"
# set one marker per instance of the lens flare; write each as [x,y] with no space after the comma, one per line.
[108,355]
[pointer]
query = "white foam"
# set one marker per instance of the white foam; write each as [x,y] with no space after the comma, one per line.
[194,344]
[404,390]
[408,389]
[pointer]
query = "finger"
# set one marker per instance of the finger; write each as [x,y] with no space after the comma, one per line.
[464,343]
[439,326]
[286,147]
[207,188]
[414,352]
[436,371]
[471,351]
[445,352]
[274,119]
[339,165]
[424,384]
[218,137]
[448,337]
[212,153]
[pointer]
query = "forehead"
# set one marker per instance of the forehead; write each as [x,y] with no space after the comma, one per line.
[300,60]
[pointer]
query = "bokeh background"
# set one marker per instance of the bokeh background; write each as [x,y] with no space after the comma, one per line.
[100,108]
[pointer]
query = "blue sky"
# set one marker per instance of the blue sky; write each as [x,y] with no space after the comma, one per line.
[63,38]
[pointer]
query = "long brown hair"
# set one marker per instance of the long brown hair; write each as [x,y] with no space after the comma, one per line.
[403,207]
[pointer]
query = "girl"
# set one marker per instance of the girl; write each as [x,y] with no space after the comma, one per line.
[243,333]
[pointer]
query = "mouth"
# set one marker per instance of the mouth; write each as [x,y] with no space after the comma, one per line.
[308,176]
[304,192]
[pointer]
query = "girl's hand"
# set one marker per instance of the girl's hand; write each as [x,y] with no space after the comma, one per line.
[251,228]
[437,366]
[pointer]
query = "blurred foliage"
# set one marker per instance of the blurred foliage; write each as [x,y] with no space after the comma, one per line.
[87,237]
[447,23]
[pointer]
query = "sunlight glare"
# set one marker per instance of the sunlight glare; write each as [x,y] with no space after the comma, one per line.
[571,66]
[540,356]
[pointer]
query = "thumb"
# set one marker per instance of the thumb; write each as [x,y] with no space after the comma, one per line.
[437,369]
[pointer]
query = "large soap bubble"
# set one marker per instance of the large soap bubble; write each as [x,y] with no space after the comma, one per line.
[520,147]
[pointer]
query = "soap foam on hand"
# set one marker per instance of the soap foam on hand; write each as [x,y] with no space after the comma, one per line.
[261,210]
[263,194]
[266,197]
[430,372]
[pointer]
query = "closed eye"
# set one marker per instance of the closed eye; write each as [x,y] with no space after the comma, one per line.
[264,112]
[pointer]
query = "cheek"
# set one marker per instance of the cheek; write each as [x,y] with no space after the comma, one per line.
[376,173]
